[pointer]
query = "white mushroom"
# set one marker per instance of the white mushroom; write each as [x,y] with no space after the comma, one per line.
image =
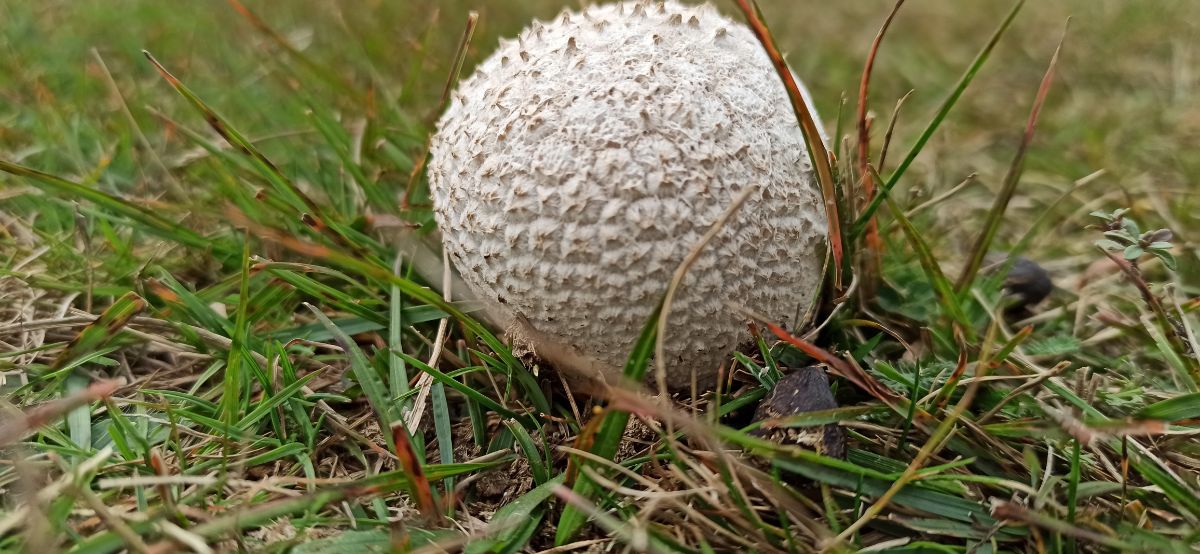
[576,168]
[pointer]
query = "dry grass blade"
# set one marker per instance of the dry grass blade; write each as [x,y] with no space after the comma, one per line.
[422,491]
[812,136]
[967,181]
[132,540]
[1037,380]
[891,130]
[706,473]
[43,414]
[874,245]
[50,491]
[660,355]
[1086,434]
[637,539]
[259,515]
[848,371]
[996,214]
[104,328]
[1015,512]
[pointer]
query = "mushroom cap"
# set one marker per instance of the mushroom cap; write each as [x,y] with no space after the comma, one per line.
[576,168]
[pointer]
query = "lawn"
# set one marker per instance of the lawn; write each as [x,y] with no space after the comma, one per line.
[221,296]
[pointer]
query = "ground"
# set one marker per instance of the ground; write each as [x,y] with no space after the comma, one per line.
[151,233]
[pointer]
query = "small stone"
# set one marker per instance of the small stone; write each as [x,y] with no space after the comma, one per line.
[803,390]
[1027,282]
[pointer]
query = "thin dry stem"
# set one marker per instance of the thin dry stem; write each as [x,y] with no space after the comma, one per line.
[660,356]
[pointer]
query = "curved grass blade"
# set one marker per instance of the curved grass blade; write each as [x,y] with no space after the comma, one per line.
[537,462]
[1011,180]
[817,152]
[861,223]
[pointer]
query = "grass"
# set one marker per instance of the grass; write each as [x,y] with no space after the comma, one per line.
[220,327]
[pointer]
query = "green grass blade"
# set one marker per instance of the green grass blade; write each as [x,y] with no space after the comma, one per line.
[468,391]
[283,186]
[441,428]
[1174,359]
[1011,180]
[79,420]
[933,271]
[235,380]
[141,215]
[611,430]
[1151,469]
[1073,490]
[517,521]
[533,454]
[335,137]
[860,224]
[370,382]
[1186,406]
[285,394]
[372,269]
[397,372]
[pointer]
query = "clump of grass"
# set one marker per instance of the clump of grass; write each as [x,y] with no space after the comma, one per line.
[249,358]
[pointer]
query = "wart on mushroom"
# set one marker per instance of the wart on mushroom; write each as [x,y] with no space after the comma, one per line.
[578,165]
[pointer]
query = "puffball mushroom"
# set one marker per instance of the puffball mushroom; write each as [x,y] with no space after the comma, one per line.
[573,172]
